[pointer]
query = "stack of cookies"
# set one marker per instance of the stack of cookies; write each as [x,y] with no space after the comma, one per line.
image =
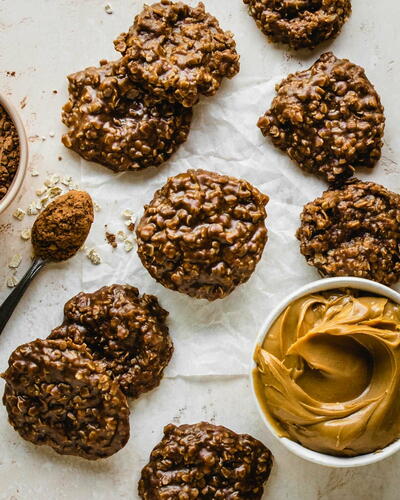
[134,113]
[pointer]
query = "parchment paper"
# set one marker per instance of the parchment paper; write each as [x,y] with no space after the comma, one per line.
[45,40]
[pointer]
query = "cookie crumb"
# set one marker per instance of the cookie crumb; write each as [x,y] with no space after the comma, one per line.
[111,239]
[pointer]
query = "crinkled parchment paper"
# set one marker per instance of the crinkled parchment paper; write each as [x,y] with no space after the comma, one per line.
[42,42]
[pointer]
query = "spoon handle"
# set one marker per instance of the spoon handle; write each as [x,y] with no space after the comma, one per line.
[11,302]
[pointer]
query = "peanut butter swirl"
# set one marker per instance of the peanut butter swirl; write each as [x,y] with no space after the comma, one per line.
[328,373]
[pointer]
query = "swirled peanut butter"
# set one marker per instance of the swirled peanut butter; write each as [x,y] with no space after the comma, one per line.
[328,372]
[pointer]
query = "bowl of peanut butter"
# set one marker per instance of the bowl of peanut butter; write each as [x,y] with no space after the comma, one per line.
[325,372]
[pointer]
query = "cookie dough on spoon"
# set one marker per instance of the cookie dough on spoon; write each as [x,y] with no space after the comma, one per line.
[57,234]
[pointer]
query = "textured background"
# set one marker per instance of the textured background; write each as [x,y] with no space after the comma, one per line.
[44,40]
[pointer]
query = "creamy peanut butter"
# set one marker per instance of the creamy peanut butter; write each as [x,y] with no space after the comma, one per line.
[328,372]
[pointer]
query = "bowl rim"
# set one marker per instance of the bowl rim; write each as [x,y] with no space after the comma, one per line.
[292,446]
[16,183]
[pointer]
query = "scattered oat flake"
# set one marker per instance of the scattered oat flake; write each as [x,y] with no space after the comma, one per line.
[96,207]
[52,181]
[23,102]
[54,191]
[15,261]
[34,173]
[41,191]
[127,213]
[19,214]
[43,138]
[52,134]
[33,209]
[128,245]
[94,257]
[108,8]
[121,236]
[66,181]
[11,282]
[26,234]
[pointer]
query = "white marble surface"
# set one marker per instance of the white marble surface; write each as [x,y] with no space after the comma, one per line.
[42,41]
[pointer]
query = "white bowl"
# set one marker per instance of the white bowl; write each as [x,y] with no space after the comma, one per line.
[296,448]
[23,161]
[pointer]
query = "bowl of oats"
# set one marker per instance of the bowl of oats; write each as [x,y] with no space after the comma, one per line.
[13,153]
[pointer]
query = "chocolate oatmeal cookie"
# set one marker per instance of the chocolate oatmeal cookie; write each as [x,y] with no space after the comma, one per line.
[125,331]
[178,52]
[353,231]
[329,119]
[57,395]
[205,461]
[112,121]
[203,233]
[300,23]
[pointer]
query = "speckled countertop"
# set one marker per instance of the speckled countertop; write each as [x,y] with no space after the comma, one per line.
[44,40]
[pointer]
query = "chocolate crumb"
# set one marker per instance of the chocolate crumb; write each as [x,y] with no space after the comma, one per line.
[111,239]
[23,102]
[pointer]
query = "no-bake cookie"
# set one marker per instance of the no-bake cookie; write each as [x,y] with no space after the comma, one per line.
[299,23]
[353,231]
[62,228]
[112,121]
[205,461]
[329,119]
[178,52]
[57,395]
[203,233]
[124,330]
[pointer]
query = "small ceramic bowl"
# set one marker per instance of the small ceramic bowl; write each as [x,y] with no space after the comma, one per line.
[296,448]
[16,184]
